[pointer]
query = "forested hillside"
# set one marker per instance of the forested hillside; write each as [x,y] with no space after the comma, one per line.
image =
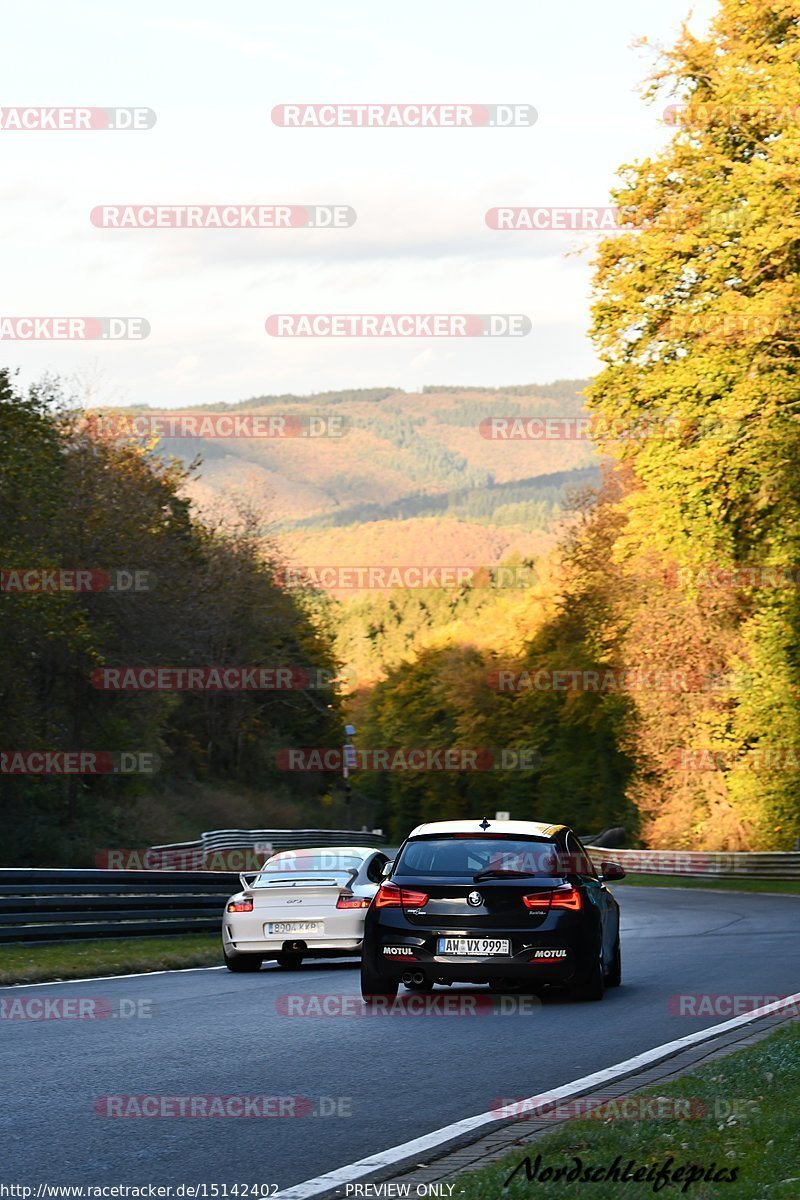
[397,456]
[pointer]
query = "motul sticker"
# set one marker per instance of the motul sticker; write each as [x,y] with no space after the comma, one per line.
[399,950]
[549,955]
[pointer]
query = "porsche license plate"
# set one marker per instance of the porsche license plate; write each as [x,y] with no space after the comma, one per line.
[281,927]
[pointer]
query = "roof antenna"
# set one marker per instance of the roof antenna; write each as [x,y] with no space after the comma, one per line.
[484,824]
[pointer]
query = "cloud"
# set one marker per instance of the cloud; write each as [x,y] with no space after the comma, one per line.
[228,37]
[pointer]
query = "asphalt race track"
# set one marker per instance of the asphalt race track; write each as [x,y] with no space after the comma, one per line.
[386,1078]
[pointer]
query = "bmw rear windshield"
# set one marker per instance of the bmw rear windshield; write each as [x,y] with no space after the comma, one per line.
[463,856]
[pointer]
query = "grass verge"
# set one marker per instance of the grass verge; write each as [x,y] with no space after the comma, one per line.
[784,886]
[106,956]
[743,1117]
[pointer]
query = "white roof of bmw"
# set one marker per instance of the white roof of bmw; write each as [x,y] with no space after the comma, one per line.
[530,828]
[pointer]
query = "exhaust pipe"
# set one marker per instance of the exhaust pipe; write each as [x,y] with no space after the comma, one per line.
[407,977]
[418,977]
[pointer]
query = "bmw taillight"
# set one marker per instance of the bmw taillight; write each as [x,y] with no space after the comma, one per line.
[346,901]
[389,895]
[566,897]
[240,906]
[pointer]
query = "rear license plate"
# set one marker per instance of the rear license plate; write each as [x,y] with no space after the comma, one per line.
[280,927]
[474,947]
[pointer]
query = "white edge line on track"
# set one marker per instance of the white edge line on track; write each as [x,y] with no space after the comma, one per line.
[135,975]
[96,978]
[430,1141]
[677,887]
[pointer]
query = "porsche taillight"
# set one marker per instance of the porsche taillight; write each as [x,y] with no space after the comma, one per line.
[346,901]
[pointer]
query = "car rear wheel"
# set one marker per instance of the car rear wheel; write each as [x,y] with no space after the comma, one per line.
[242,962]
[593,986]
[614,976]
[374,985]
[289,962]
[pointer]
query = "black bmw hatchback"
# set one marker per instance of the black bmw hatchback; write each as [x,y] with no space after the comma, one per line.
[514,904]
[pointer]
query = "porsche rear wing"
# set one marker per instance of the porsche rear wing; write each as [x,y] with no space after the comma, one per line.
[343,880]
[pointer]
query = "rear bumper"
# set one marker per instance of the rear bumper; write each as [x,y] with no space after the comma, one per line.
[474,970]
[561,954]
[269,948]
[560,949]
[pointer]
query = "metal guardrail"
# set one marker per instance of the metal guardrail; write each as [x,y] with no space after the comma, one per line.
[44,905]
[290,839]
[217,840]
[608,837]
[708,864]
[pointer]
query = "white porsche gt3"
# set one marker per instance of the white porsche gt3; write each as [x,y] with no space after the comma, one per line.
[301,904]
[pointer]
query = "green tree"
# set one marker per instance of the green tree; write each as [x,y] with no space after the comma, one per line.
[71,498]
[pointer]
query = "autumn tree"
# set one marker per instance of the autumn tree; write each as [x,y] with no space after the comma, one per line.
[696,321]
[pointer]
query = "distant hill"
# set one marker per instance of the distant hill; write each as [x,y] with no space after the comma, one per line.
[412,479]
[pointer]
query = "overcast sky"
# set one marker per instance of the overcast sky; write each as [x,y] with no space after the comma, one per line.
[420,243]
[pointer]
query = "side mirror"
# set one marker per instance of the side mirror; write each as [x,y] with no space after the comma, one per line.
[386,870]
[610,871]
